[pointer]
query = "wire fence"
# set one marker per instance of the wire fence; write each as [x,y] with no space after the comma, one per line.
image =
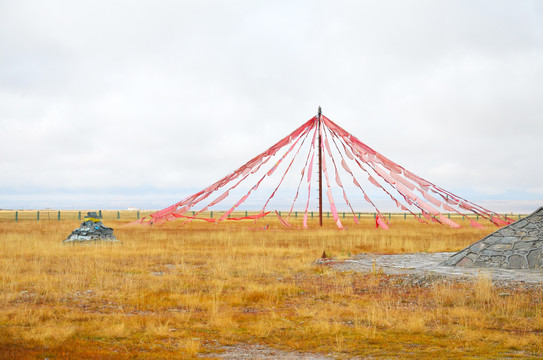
[130,215]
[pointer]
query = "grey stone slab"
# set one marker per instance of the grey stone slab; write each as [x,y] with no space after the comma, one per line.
[465,262]
[516,262]
[523,245]
[508,232]
[478,246]
[534,259]
[499,247]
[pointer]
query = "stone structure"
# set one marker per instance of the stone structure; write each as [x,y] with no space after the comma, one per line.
[91,229]
[516,246]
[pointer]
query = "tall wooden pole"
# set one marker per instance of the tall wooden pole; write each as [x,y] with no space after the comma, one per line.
[320,166]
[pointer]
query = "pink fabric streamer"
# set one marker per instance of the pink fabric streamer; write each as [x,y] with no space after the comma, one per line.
[357,184]
[427,207]
[327,145]
[338,179]
[225,215]
[311,148]
[384,175]
[344,142]
[404,191]
[426,215]
[288,167]
[219,199]
[240,201]
[250,217]
[333,209]
[380,223]
[282,221]
[389,164]
[310,169]
[374,182]
[329,192]
[449,222]
[499,221]
[307,204]
[309,185]
[165,211]
[423,183]
[346,167]
[347,151]
[431,199]
[476,225]
[402,180]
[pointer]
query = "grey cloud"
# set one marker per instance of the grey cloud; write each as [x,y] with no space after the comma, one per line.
[170,95]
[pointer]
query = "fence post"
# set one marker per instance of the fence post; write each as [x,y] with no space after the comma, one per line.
[328,214]
[138,214]
[389,216]
[245,213]
[519,216]
[358,216]
[295,214]
[311,214]
[211,214]
[374,215]
[100,214]
[344,214]
[477,216]
[16,216]
[449,215]
[118,215]
[79,216]
[404,216]
[58,215]
[38,215]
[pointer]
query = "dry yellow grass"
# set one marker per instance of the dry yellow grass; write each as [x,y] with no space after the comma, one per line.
[176,291]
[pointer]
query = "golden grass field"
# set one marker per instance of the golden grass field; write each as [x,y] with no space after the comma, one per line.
[181,291]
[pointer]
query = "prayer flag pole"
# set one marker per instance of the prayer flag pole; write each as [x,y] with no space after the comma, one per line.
[320,166]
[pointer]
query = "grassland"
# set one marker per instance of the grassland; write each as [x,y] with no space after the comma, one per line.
[178,291]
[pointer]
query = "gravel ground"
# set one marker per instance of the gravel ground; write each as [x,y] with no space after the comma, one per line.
[425,264]
[239,352]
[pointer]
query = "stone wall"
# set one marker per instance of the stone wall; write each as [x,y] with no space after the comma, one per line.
[516,246]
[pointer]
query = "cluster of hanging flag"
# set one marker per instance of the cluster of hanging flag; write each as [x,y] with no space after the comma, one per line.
[409,192]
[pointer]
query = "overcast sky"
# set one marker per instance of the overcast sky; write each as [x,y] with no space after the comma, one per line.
[110,104]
